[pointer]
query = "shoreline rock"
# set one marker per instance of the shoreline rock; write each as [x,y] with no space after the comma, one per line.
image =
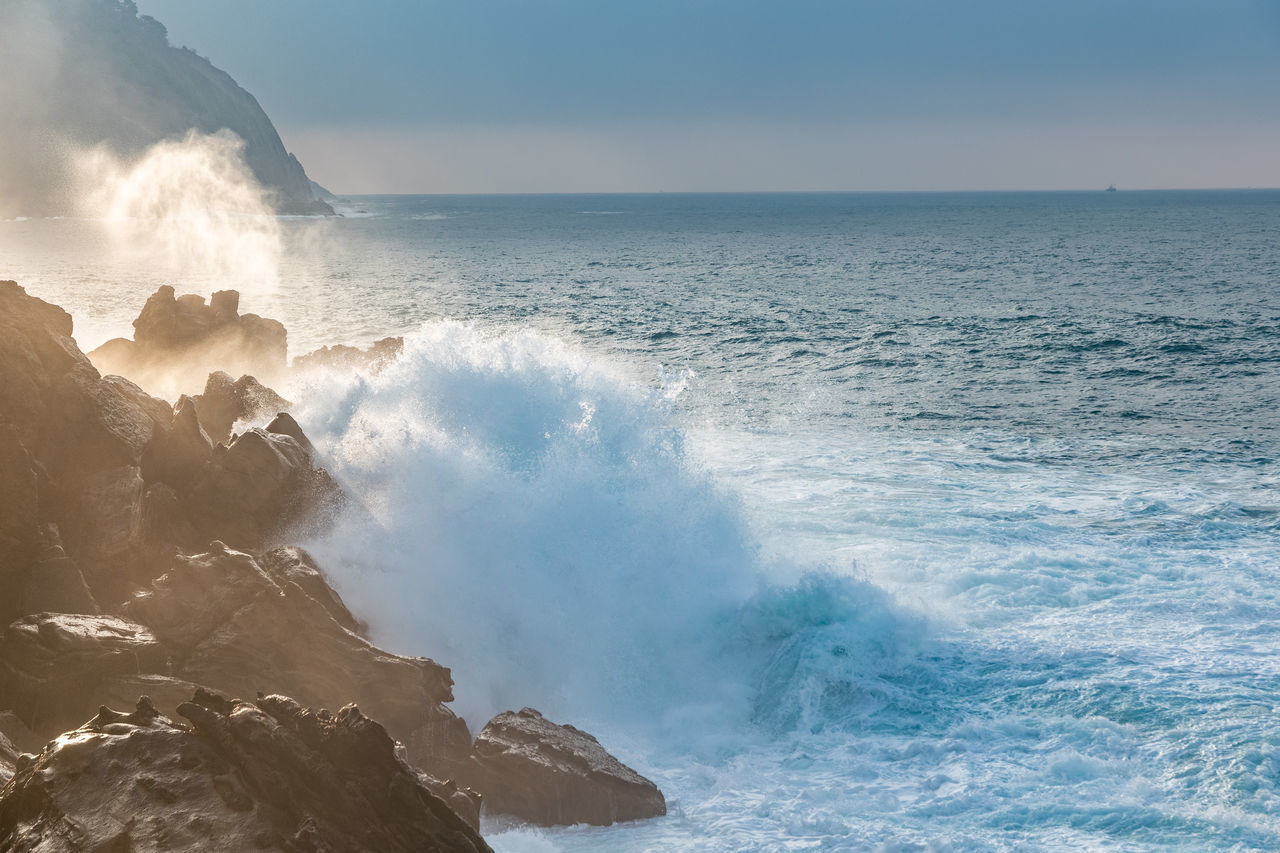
[267,775]
[147,548]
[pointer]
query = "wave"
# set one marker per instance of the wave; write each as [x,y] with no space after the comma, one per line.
[536,522]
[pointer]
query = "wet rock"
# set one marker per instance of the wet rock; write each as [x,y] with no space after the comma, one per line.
[178,337]
[50,664]
[258,486]
[296,566]
[224,402]
[269,775]
[340,356]
[531,768]
[240,629]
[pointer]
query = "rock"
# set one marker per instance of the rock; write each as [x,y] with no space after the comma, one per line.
[179,451]
[257,487]
[178,337]
[340,356]
[57,585]
[242,630]
[19,517]
[224,402]
[296,566]
[269,775]
[50,664]
[548,774]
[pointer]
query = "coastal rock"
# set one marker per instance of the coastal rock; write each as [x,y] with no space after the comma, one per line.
[294,565]
[178,337]
[340,356]
[259,485]
[179,451]
[240,629]
[19,516]
[51,663]
[531,768]
[56,585]
[269,775]
[225,401]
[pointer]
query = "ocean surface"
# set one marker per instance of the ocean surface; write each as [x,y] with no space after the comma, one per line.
[856,521]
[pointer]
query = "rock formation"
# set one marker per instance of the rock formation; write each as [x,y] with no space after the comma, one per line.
[95,73]
[147,556]
[531,768]
[372,358]
[177,338]
[267,775]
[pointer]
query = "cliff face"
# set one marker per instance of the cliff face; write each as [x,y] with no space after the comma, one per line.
[81,73]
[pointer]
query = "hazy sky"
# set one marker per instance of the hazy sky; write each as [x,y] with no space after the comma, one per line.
[614,95]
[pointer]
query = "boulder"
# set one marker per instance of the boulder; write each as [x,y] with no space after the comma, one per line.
[239,629]
[269,775]
[531,768]
[225,402]
[176,338]
[257,487]
[51,663]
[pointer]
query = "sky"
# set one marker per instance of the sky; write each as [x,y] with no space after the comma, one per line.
[387,96]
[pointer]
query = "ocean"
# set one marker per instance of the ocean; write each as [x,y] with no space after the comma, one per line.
[856,521]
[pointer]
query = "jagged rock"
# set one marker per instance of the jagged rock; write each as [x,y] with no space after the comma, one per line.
[56,585]
[294,565]
[259,485]
[51,663]
[270,775]
[239,629]
[178,452]
[531,768]
[177,337]
[224,402]
[373,358]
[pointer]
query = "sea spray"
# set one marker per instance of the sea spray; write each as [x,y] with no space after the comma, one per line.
[536,523]
[189,208]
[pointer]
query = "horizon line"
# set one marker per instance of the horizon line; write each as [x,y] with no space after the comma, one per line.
[339,195]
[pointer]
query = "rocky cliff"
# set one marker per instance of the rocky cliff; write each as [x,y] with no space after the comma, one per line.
[82,73]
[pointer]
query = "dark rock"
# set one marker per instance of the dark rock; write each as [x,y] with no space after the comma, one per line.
[50,664]
[178,452]
[259,486]
[531,768]
[268,775]
[57,585]
[19,516]
[224,402]
[241,630]
[340,356]
[296,566]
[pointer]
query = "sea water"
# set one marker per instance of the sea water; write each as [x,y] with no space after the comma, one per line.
[855,521]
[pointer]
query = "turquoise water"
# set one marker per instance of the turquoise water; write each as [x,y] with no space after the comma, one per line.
[914,521]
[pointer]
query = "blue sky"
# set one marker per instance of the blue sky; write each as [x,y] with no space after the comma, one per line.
[567,95]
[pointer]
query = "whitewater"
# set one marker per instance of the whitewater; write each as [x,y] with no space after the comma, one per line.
[855,521]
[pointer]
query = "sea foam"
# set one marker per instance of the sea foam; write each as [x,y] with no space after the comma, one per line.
[536,522]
